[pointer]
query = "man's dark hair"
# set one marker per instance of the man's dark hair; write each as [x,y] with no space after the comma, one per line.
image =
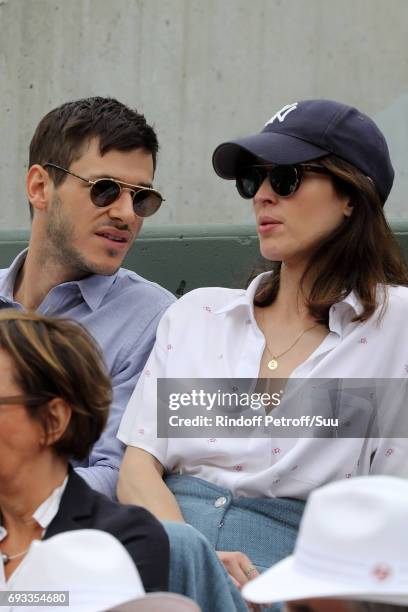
[61,134]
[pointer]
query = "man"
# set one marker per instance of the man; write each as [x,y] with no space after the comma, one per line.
[82,228]
[350,555]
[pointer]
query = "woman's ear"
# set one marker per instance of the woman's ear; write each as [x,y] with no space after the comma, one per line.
[348,208]
[39,187]
[57,419]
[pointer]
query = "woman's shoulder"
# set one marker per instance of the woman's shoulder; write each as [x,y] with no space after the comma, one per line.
[398,291]
[392,308]
[396,299]
[205,299]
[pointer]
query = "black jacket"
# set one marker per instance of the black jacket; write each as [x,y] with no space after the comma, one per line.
[137,529]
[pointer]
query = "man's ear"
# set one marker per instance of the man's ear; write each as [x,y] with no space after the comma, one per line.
[39,187]
[58,417]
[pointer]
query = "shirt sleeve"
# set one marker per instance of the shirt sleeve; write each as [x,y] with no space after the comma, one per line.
[139,423]
[106,456]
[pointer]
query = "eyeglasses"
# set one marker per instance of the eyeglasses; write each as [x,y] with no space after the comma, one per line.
[104,191]
[284,180]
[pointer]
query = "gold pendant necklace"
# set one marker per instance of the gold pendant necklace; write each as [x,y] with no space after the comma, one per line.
[274,363]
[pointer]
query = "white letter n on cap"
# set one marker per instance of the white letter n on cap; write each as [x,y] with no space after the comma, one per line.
[280,115]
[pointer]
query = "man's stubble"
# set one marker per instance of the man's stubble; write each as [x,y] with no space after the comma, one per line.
[60,245]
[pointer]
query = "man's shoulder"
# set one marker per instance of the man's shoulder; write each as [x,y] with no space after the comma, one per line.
[8,274]
[132,283]
[3,273]
[6,284]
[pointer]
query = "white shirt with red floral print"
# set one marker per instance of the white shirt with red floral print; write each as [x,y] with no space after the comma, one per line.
[212,333]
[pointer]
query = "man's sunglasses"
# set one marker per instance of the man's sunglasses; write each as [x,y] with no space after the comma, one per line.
[284,180]
[104,191]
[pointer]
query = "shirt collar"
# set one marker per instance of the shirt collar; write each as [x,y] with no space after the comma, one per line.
[46,511]
[9,279]
[343,312]
[352,300]
[337,313]
[246,298]
[93,288]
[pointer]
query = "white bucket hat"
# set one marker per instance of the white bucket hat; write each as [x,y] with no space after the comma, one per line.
[97,571]
[352,544]
[92,565]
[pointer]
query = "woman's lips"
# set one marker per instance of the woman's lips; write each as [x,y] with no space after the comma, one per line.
[268,226]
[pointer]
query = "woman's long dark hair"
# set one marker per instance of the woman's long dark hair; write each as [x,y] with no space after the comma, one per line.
[361,253]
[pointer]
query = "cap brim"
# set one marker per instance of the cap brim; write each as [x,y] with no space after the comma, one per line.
[272,147]
[283,582]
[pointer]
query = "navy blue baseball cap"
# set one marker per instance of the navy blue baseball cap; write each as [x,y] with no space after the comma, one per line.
[310,129]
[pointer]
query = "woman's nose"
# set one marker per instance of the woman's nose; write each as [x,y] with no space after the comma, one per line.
[265,193]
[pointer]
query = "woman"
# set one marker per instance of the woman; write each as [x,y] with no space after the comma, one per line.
[333,306]
[54,402]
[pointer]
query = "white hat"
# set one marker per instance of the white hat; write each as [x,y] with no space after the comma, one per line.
[94,567]
[352,544]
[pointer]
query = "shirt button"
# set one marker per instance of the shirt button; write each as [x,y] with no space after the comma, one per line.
[220,501]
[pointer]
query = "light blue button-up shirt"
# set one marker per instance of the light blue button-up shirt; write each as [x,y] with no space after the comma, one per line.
[122,312]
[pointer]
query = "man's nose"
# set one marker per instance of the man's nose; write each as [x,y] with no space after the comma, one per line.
[122,207]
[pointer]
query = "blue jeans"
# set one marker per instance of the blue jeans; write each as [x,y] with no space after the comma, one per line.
[195,571]
[264,529]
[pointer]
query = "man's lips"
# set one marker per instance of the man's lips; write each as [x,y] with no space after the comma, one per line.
[114,236]
[266,224]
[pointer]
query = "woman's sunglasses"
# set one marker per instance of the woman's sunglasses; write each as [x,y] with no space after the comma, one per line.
[104,191]
[284,180]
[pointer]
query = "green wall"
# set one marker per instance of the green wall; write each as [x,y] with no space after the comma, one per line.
[182,258]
